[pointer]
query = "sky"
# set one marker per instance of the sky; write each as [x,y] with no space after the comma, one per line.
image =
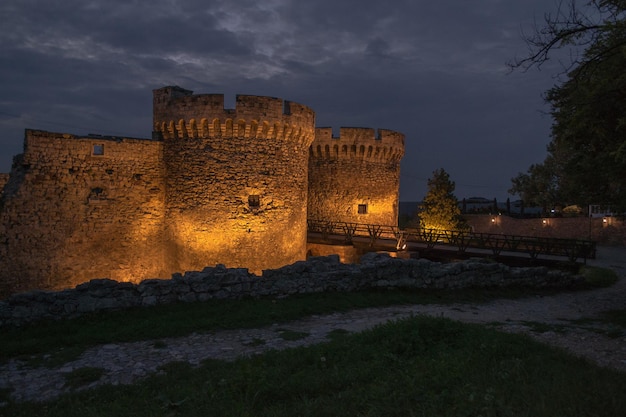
[435,70]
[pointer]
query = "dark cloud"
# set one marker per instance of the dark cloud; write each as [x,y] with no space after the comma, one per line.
[432,70]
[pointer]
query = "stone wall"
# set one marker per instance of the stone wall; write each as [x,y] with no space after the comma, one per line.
[236,179]
[355,177]
[77,208]
[212,186]
[4,178]
[609,230]
[348,253]
[324,274]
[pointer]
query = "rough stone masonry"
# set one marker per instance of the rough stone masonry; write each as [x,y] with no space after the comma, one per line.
[318,274]
[211,186]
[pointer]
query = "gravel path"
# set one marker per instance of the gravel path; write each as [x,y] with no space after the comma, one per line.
[124,363]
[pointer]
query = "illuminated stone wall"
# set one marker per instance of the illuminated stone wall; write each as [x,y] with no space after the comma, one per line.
[4,178]
[212,186]
[77,208]
[237,179]
[358,168]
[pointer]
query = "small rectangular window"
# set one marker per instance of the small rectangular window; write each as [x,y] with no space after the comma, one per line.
[254,200]
[98,150]
[362,208]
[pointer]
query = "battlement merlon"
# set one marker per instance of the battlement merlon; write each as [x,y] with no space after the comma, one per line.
[34,135]
[176,104]
[382,145]
[360,136]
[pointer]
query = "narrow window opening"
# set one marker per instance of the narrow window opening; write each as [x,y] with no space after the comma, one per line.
[98,150]
[362,209]
[97,194]
[254,200]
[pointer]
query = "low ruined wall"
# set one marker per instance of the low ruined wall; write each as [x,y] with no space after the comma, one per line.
[320,274]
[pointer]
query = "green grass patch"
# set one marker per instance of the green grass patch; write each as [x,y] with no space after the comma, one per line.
[291,335]
[4,396]
[65,340]
[337,334]
[597,277]
[256,342]
[83,376]
[616,317]
[159,344]
[539,327]
[611,323]
[413,367]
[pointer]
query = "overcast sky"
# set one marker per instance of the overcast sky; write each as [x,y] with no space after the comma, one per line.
[434,70]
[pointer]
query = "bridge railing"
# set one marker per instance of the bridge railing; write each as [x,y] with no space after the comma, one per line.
[534,246]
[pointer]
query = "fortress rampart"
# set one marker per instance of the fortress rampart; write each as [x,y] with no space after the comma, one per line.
[178,113]
[355,177]
[79,207]
[212,186]
[357,143]
[236,187]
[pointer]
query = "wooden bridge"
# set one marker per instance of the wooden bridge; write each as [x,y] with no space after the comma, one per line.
[389,237]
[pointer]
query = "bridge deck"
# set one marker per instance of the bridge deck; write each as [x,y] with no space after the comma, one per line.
[407,239]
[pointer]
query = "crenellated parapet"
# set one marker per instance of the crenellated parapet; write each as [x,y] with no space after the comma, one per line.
[235,179]
[229,128]
[355,143]
[179,114]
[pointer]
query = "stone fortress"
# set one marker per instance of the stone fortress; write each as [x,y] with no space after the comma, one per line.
[212,186]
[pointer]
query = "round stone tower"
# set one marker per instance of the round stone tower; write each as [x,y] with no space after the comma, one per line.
[355,177]
[236,182]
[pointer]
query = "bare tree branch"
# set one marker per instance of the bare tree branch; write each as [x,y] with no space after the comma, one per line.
[575,28]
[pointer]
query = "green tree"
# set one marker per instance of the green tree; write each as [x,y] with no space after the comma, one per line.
[586,160]
[539,186]
[440,208]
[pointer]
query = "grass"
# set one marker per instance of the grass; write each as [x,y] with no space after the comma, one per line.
[83,376]
[597,277]
[5,395]
[56,342]
[159,344]
[421,366]
[256,342]
[616,317]
[291,335]
[611,323]
[412,367]
[544,327]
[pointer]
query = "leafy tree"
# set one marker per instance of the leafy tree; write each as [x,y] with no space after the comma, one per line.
[586,160]
[440,208]
[539,186]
